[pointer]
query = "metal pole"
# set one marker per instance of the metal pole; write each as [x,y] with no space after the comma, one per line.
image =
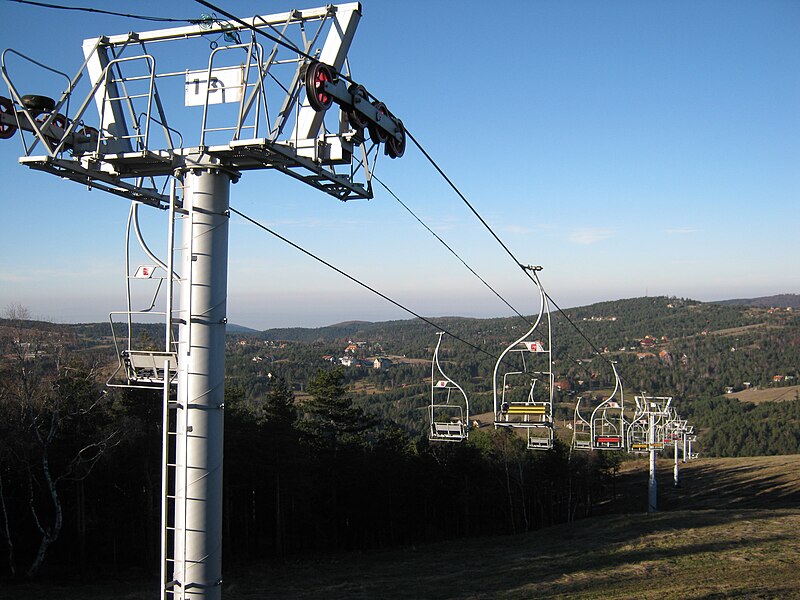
[164,479]
[675,474]
[201,378]
[684,446]
[652,498]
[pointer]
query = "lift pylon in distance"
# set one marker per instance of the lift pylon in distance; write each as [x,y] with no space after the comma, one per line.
[523,380]
[192,109]
[448,412]
[646,429]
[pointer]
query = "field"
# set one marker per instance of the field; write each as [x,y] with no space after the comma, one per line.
[776,394]
[729,531]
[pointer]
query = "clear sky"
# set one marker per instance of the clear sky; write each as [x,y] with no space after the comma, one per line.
[631,148]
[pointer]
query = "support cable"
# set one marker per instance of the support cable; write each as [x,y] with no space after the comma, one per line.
[453,252]
[281,42]
[361,283]
[499,241]
[286,44]
[104,12]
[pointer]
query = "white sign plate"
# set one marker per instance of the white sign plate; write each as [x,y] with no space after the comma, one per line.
[225,85]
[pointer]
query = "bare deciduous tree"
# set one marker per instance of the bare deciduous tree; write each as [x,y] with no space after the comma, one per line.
[54,430]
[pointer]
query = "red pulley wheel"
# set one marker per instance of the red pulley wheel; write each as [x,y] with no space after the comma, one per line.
[316,77]
[377,134]
[7,108]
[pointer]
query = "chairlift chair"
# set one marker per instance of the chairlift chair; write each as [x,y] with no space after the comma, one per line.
[145,367]
[448,412]
[581,429]
[523,393]
[607,421]
[637,433]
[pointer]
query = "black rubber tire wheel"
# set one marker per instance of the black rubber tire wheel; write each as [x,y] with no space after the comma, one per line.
[377,134]
[38,104]
[316,76]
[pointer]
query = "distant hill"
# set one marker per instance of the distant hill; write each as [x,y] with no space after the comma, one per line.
[234,328]
[776,301]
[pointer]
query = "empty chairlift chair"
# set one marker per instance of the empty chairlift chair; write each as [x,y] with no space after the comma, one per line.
[581,429]
[145,359]
[448,412]
[523,379]
[608,421]
[637,433]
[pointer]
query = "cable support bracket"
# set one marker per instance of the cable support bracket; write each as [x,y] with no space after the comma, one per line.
[534,268]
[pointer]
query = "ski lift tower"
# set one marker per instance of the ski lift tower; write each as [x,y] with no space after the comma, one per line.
[656,410]
[256,95]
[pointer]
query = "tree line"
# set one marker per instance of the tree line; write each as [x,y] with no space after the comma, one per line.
[349,466]
[80,475]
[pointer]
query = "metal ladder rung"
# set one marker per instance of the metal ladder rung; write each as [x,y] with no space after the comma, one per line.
[127,97]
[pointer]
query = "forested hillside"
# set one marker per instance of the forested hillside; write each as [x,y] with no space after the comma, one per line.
[325,457]
[665,346]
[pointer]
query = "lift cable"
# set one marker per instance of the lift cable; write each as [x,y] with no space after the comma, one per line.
[430,159]
[104,12]
[286,43]
[499,241]
[453,252]
[361,283]
[435,166]
[282,42]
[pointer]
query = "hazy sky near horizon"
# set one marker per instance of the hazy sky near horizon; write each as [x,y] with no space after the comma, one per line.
[631,148]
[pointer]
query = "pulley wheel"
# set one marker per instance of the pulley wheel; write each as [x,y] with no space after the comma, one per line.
[377,134]
[7,108]
[317,75]
[354,115]
[91,133]
[396,148]
[59,121]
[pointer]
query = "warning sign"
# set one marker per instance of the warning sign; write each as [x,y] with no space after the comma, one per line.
[144,272]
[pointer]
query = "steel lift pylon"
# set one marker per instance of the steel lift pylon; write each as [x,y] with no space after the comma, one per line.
[259,106]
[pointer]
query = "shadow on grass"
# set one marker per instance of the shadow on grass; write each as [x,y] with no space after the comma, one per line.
[735,517]
[556,561]
[759,482]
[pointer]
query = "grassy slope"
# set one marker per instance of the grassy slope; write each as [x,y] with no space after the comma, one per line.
[729,531]
[776,394]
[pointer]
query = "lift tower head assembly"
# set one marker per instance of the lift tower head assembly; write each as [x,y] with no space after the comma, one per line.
[170,118]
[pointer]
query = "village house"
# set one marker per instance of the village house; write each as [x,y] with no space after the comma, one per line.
[648,341]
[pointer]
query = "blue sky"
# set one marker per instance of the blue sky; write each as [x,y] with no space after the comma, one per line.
[630,148]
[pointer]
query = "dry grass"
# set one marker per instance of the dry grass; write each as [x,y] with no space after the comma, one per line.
[729,531]
[775,394]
